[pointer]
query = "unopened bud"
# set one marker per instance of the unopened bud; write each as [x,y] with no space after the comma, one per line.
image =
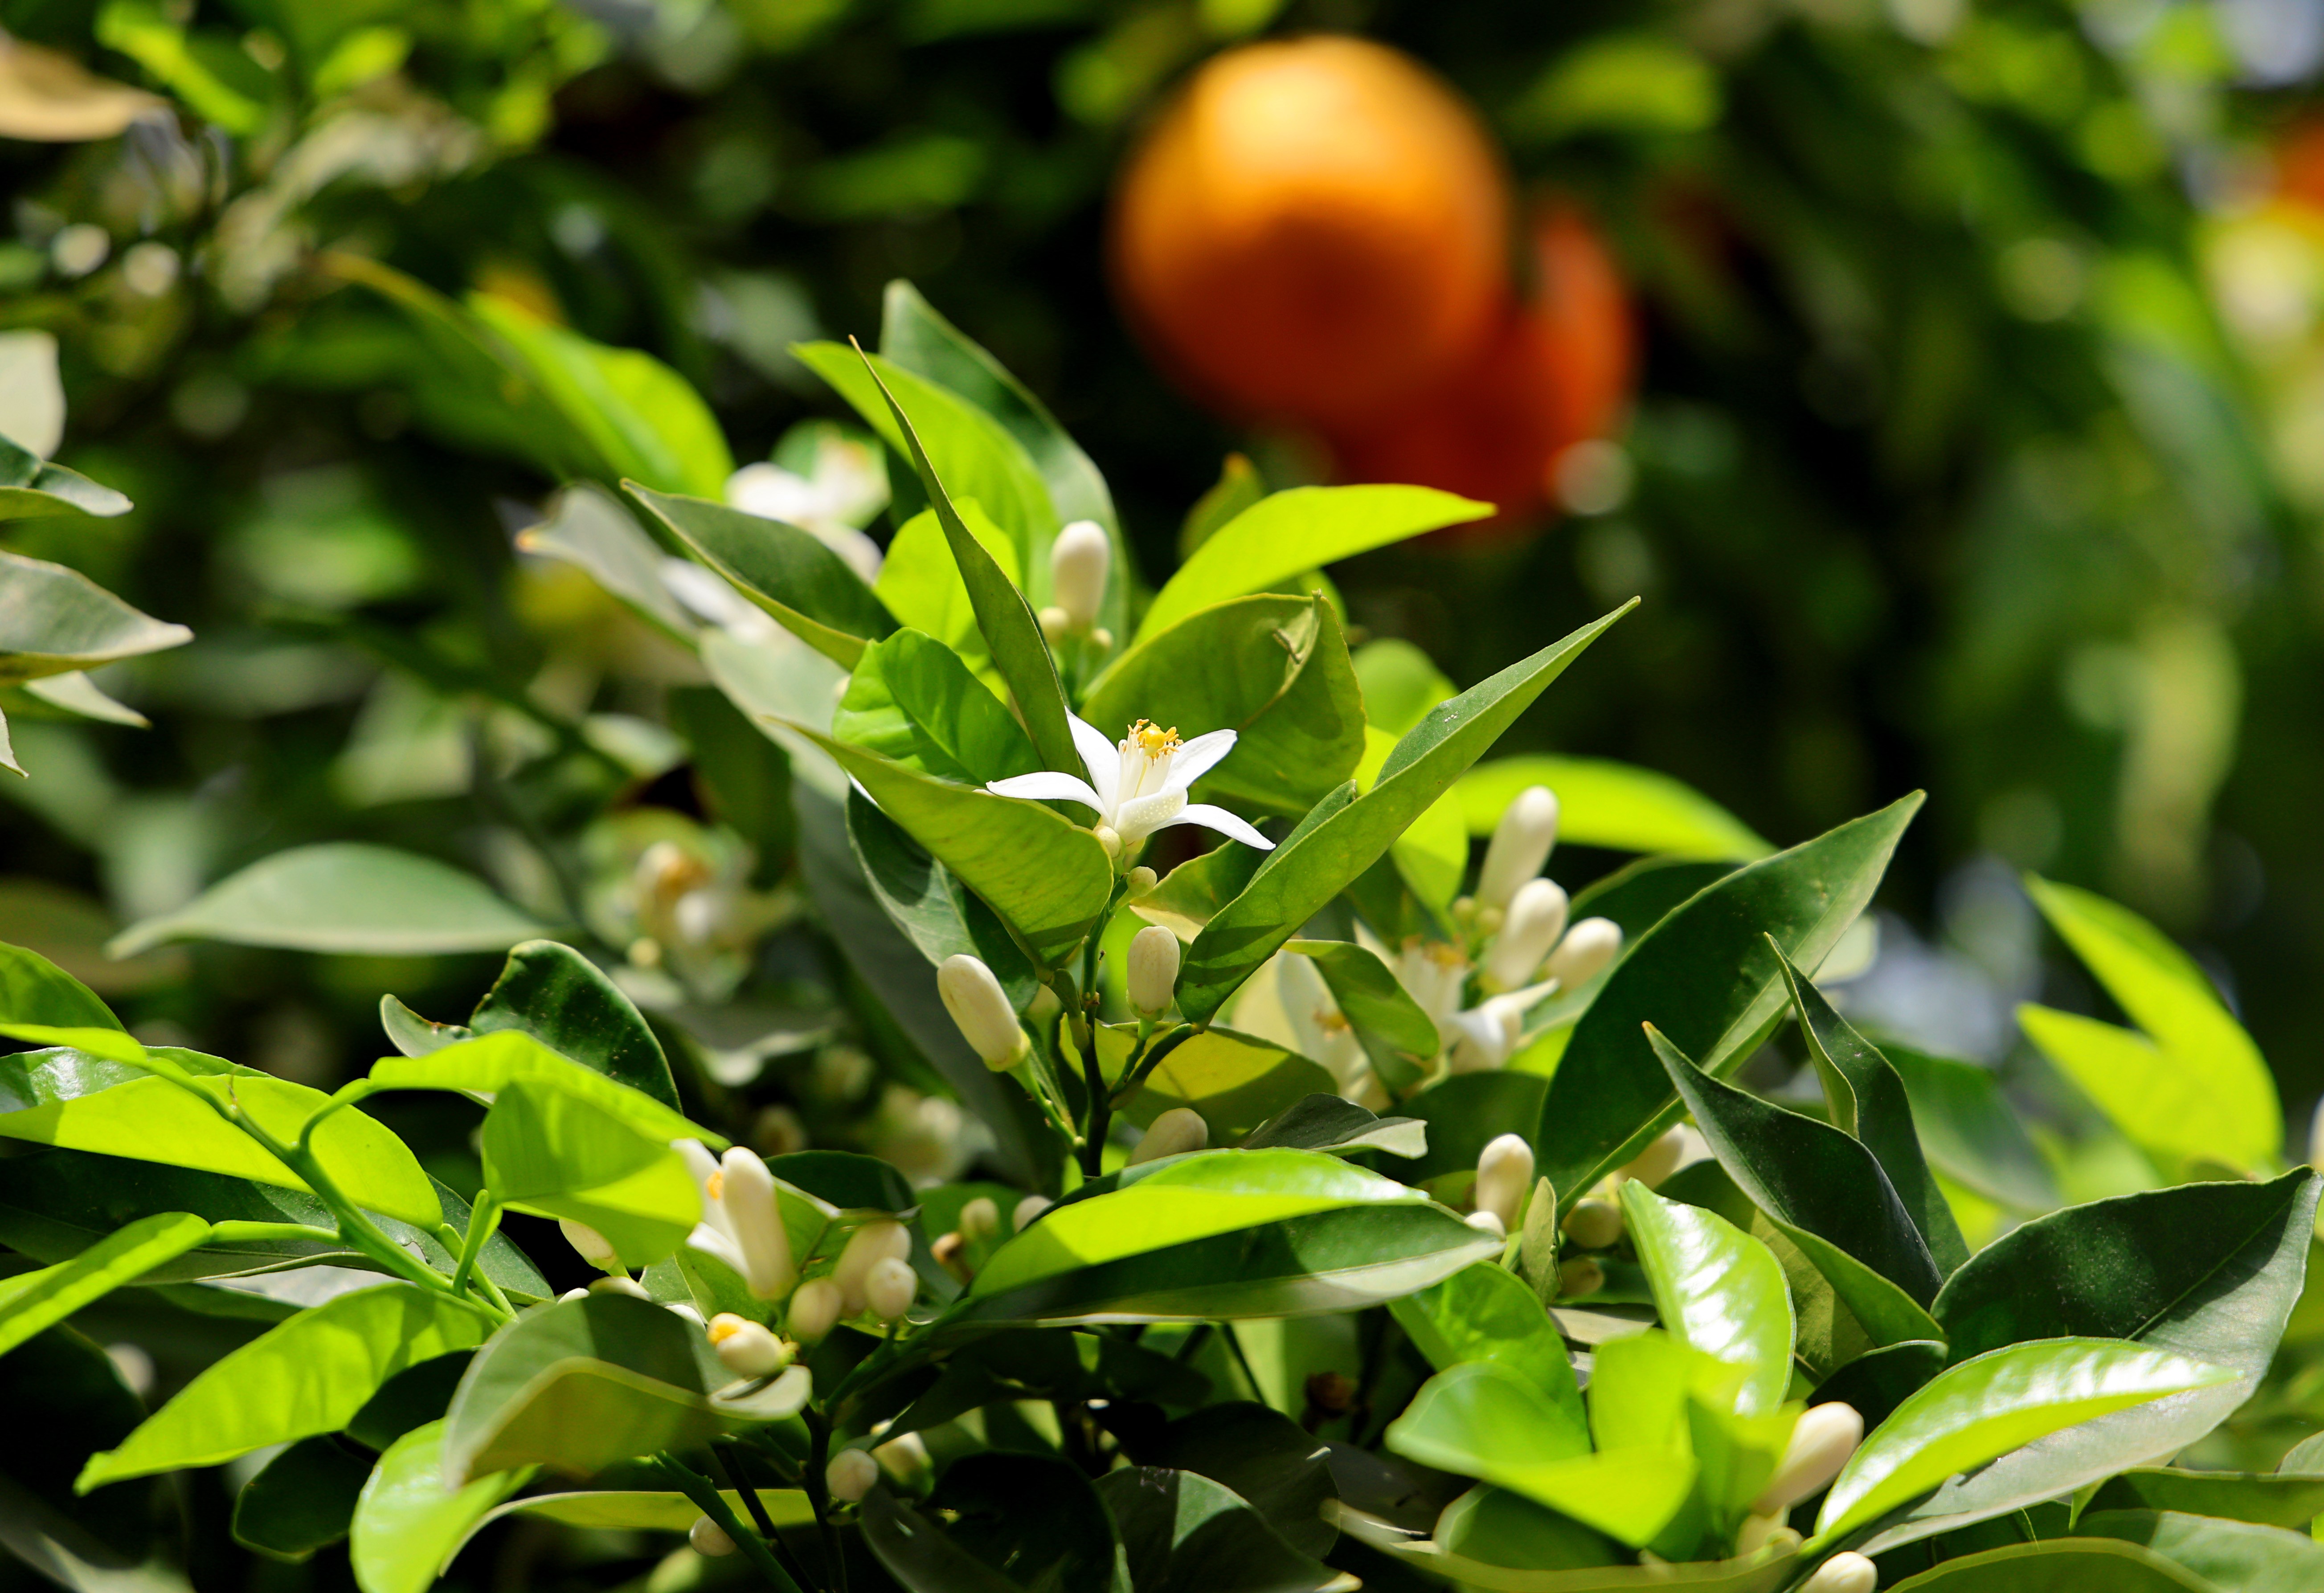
[1586,949]
[889,1288]
[867,1246]
[1488,1222]
[1821,1441]
[950,1251]
[980,1219]
[1580,1276]
[745,1348]
[1109,838]
[1762,1531]
[849,1475]
[1658,1161]
[572,1294]
[1845,1573]
[1536,917]
[757,1220]
[593,1245]
[709,1539]
[981,1008]
[1594,1225]
[1153,971]
[1030,1207]
[1055,624]
[1141,880]
[620,1286]
[904,1458]
[1504,1176]
[1078,562]
[1101,639]
[814,1310]
[1520,846]
[1174,1133]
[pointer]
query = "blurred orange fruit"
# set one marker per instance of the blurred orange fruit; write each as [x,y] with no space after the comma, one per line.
[1557,371]
[1312,229]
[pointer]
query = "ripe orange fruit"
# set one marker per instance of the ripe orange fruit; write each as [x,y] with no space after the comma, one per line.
[1555,370]
[1311,230]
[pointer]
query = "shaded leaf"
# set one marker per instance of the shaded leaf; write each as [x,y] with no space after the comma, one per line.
[407,1525]
[302,1500]
[1330,1123]
[1483,1312]
[1185,1533]
[1237,1082]
[54,620]
[562,1000]
[2058,1565]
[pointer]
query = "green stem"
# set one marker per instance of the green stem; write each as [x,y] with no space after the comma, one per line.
[484,1219]
[1133,1078]
[706,1499]
[819,1495]
[759,1516]
[1241,1361]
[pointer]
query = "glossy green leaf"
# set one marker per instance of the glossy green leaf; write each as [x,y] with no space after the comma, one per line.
[1370,997]
[1222,1235]
[304,1499]
[1185,1533]
[346,897]
[1969,1133]
[1045,875]
[309,1376]
[1332,1123]
[1762,1572]
[2058,1565]
[1483,1312]
[1287,534]
[561,999]
[920,583]
[807,588]
[913,701]
[1717,1289]
[78,1101]
[30,1302]
[407,1525]
[641,418]
[578,1386]
[922,900]
[1467,1111]
[1274,669]
[1190,895]
[54,620]
[557,1155]
[1617,806]
[2241,1555]
[489,1063]
[2215,1096]
[1983,1408]
[33,990]
[1235,1081]
[1338,842]
[1879,1381]
[2265,1497]
[1704,974]
[589,528]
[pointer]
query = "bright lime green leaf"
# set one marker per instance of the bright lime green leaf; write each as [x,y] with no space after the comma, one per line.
[1617,806]
[33,1301]
[920,581]
[1235,1081]
[1717,1290]
[561,999]
[1620,83]
[1484,1313]
[408,1525]
[2060,1565]
[1400,684]
[557,1155]
[912,701]
[492,1062]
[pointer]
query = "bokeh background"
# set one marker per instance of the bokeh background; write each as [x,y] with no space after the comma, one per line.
[1974,437]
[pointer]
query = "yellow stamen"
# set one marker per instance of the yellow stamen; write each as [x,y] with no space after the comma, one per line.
[1152,740]
[714,1186]
[724,1326]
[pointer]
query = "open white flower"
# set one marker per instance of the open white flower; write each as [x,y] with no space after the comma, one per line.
[1140,786]
[845,488]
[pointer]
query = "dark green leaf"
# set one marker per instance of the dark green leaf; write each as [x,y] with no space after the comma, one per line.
[1971,1134]
[2058,1565]
[1466,1112]
[912,701]
[303,1500]
[1370,997]
[412,1398]
[31,488]
[1876,1382]
[1330,1123]
[2269,1499]
[849,1181]
[1185,1533]
[923,900]
[2240,1555]
[1066,1546]
[920,1555]
[561,999]
[1265,1458]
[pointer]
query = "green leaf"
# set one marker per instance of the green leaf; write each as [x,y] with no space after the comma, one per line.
[1068,1545]
[1330,1123]
[847,1180]
[1237,1082]
[33,489]
[2058,1565]
[557,1155]
[1495,1527]
[920,1555]
[1983,1408]
[1971,1134]
[1400,685]
[1705,973]
[1458,1559]
[346,897]
[54,620]
[1879,1381]
[1370,997]
[1190,895]
[1014,636]
[1265,1458]
[2162,1103]
[1468,1111]
[923,900]
[1617,806]
[2268,1498]
[2242,1555]
[807,588]
[920,583]
[33,990]
[640,417]
[1046,876]
[589,528]
[64,1399]
[578,1386]
[309,1376]
[562,1000]
[1287,534]
[629,1510]
[1225,1235]
[1273,669]
[1717,1289]
[1483,1312]
[412,1398]
[304,1499]
[1327,852]
[78,1101]
[490,1063]
[1184,1533]
[30,1302]
[407,1525]
[913,701]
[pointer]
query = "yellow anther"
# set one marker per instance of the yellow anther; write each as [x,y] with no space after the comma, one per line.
[1152,740]
[714,1186]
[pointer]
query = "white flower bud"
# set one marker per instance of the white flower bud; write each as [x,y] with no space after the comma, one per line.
[1658,1161]
[709,1539]
[1153,971]
[591,1244]
[1761,1531]
[867,1246]
[1030,1207]
[1055,623]
[708,1180]
[889,1288]
[1536,917]
[977,1004]
[1488,1222]
[745,1348]
[1141,880]
[980,1219]
[814,1310]
[1174,1133]
[904,1458]
[1110,839]
[1078,562]
[849,1475]
[1822,1441]
[1594,1225]
[572,1294]
[1845,1573]
[1520,846]
[1503,1175]
[620,1286]
[757,1220]
[1587,948]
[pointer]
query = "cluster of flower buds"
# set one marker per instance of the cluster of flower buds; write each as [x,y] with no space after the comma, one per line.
[742,1222]
[981,1009]
[873,1273]
[978,1224]
[1524,914]
[1080,560]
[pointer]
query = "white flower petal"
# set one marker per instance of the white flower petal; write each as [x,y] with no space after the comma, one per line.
[1048,786]
[1198,757]
[1140,816]
[1104,757]
[1221,820]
